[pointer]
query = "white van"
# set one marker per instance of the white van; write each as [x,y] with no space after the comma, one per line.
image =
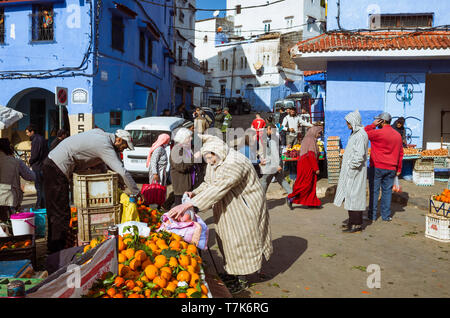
[144,133]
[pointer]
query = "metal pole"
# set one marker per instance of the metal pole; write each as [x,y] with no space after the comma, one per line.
[232,73]
[60,116]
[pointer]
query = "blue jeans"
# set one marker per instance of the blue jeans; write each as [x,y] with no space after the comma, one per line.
[385,179]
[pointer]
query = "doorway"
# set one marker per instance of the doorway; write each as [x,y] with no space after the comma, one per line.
[37,115]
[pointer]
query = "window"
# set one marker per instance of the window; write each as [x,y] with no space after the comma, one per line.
[267,27]
[180,56]
[242,63]
[404,21]
[150,53]
[238,30]
[238,9]
[222,89]
[42,28]
[224,65]
[289,22]
[189,57]
[2,25]
[117,33]
[142,46]
[115,118]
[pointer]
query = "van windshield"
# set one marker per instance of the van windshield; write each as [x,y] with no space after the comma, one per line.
[146,138]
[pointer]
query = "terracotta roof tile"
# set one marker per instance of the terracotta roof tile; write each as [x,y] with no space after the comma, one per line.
[370,41]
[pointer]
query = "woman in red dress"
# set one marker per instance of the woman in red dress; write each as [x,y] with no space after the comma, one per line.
[304,192]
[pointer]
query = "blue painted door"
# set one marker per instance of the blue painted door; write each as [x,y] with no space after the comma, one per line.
[405,97]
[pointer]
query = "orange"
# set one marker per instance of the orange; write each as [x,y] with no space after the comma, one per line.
[111,292]
[204,296]
[144,279]
[184,260]
[152,246]
[118,296]
[127,240]
[166,273]
[184,245]
[171,287]
[94,243]
[137,289]
[139,283]
[160,261]
[151,271]
[192,249]
[86,248]
[122,258]
[184,276]
[173,262]
[131,275]
[190,291]
[129,253]
[119,281]
[175,245]
[123,270]
[134,296]
[161,282]
[176,237]
[122,245]
[130,284]
[134,264]
[194,280]
[148,293]
[140,255]
[182,295]
[146,263]
[204,289]
[194,264]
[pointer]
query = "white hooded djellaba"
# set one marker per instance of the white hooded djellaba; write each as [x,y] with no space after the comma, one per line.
[352,180]
[233,190]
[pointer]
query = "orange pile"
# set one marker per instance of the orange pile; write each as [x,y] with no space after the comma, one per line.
[15,245]
[94,243]
[153,267]
[150,216]
[443,197]
[435,153]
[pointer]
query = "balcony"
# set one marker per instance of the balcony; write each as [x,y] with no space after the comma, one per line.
[189,71]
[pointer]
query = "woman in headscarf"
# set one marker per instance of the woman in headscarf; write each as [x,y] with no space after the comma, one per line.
[182,167]
[399,126]
[351,187]
[232,189]
[157,160]
[304,191]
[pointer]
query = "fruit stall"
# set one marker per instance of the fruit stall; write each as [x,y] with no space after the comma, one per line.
[438,217]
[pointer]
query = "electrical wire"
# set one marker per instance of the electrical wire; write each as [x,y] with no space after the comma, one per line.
[200,9]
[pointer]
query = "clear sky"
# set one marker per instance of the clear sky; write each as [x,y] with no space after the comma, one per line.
[210,4]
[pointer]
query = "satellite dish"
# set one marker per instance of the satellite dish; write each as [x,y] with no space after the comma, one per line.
[216,13]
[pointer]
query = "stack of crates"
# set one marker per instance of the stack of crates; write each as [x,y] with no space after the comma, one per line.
[423,173]
[333,159]
[96,198]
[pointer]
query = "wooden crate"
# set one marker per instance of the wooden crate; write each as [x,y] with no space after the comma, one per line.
[94,222]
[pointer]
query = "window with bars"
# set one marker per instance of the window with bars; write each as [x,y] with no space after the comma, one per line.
[42,27]
[150,53]
[115,118]
[142,46]
[2,26]
[180,56]
[117,33]
[402,21]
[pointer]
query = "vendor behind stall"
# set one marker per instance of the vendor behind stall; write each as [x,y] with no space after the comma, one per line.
[80,151]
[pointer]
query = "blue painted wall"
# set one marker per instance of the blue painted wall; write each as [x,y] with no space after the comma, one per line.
[355,14]
[364,86]
[61,62]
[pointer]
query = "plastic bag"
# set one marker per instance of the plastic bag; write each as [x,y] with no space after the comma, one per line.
[191,227]
[143,229]
[129,210]
[397,188]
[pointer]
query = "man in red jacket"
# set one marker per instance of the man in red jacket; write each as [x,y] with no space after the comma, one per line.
[385,164]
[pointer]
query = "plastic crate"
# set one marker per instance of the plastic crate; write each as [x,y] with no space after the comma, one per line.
[19,253]
[95,190]
[424,165]
[94,222]
[440,162]
[423,178]
[439,208]
[437,228]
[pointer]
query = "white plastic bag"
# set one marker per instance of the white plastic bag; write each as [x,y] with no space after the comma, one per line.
[397,187]
[4,230]
[144,230]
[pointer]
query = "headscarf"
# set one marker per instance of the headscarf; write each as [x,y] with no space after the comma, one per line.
[215,145]
[163,139]
[182,135]
[309,143]
[354,119]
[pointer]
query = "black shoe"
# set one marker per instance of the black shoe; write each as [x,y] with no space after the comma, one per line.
[289,204]
[353,229]
[237,286]
[227,278]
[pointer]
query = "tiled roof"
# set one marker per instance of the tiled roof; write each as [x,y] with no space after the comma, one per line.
[309,73]
[373,41]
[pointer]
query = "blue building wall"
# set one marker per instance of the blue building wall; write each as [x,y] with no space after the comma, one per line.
[33,69]
[355,14]
[365,86]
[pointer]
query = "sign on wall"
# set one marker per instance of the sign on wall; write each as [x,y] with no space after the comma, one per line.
[405,97]
[80,123]
[79,96]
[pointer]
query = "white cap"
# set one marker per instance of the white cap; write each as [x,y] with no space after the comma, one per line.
[125,135]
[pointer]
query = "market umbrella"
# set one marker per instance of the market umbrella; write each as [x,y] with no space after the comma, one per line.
[9,116]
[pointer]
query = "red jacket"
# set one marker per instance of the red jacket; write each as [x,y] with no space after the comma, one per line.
[386,148]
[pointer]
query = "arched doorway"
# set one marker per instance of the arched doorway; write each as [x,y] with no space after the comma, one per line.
[39,107]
